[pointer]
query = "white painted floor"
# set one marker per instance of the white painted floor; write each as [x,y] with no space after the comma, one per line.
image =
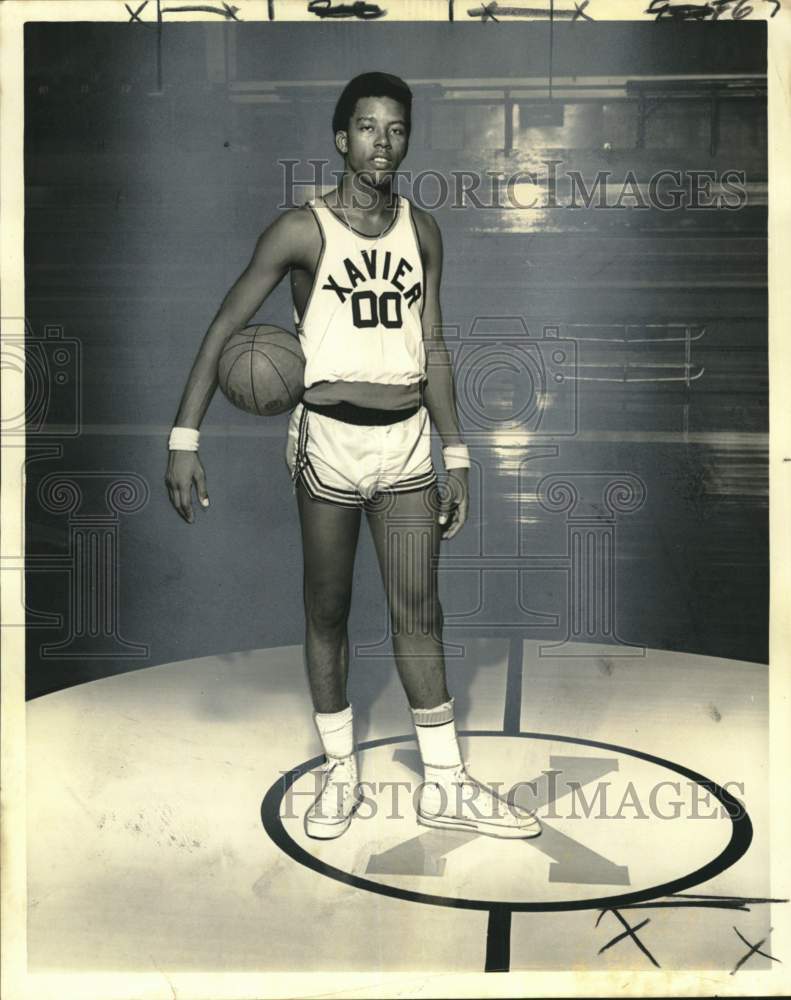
[147,849]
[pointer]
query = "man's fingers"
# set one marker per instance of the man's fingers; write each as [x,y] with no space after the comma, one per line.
[447,518]
[200,485]
[446,509]
[188,515]
[178,504]
[175,498]
[457,519]
[461,517]
[454,528]
[183,471]
[448,502]
[185,504]
[453,525]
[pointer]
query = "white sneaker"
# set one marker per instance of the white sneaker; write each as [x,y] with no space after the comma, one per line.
[331,811]
[462,803]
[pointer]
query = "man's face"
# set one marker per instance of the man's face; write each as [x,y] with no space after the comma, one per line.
[376,139]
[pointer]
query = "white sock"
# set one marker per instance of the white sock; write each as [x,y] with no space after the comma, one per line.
[336,730]
[437,741]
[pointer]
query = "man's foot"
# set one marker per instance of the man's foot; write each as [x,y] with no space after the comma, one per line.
[331,811]
[462,803]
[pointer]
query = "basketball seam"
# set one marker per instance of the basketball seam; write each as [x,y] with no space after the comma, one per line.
[252,380]
[241,343]
[274,369]
[230,370]
[280,347]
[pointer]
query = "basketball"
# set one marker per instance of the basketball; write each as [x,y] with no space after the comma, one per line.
[261,370]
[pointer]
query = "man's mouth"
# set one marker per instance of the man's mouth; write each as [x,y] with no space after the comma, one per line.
[381,161]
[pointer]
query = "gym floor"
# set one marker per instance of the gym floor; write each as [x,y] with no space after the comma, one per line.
[162,853]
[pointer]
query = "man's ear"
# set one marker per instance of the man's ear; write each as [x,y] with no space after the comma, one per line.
[342,143]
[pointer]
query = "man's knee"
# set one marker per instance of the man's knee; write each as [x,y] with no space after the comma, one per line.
[419,615]
[327,610]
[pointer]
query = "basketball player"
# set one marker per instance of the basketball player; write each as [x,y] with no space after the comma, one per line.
[364,265]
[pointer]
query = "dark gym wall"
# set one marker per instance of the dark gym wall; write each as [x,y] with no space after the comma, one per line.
[143,205]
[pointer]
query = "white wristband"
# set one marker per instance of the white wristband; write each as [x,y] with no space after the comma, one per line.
[456,456]
[183,439]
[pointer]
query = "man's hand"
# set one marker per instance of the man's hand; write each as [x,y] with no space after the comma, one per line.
[184,468]
[455,502]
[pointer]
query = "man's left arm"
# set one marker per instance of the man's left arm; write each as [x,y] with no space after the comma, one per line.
[440,391]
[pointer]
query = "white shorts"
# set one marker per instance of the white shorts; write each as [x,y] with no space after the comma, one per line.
[348,464]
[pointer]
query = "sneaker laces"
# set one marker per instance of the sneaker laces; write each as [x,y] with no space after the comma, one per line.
[463,777]
[329,787]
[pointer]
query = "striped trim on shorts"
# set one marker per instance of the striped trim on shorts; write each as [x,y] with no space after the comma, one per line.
[350,451]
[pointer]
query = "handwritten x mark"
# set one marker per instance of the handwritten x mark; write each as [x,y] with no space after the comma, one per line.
[134,15]
[755,949]
[630,932]
[486,12]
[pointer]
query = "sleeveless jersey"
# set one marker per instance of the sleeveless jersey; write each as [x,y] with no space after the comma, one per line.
[362,320]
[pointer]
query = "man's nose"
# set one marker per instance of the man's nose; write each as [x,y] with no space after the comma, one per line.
[383,140]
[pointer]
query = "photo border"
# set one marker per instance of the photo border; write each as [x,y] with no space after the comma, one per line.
[16,982]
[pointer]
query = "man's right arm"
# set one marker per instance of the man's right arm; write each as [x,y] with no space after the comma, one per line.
[273,256]
[285,243]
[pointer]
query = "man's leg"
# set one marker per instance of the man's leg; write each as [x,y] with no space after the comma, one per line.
[406,536]
[329,544]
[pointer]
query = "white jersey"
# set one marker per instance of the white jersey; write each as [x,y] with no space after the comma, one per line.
[362,321]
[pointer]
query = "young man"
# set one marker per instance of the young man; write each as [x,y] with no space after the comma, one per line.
[365,273]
